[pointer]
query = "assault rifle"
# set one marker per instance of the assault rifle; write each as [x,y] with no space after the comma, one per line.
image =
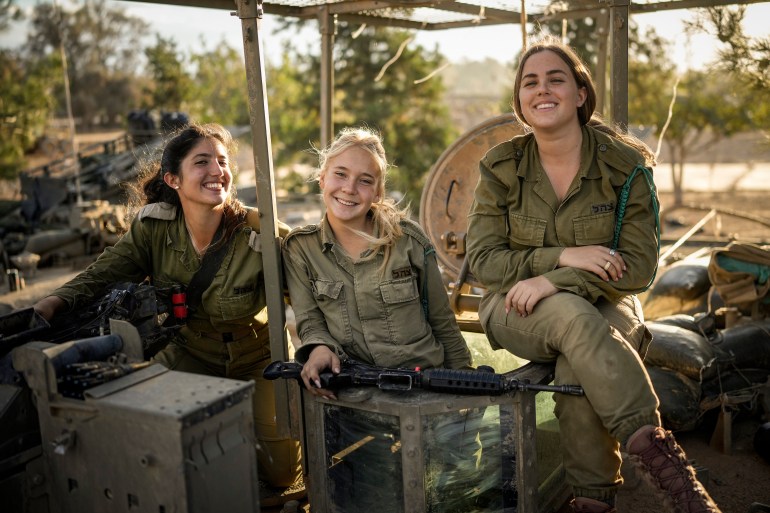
[481,381]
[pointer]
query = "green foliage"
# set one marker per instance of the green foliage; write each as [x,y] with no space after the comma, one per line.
[9,12]
[100,42]
[218,90]
[742,56]
[390,97]
[25,104]
[293,91]
[651,77]
[583,34]
[170,86]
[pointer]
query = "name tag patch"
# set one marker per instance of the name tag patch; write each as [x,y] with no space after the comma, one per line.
[603,208]
[404,272]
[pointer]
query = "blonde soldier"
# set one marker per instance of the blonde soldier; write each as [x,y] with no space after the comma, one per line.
[364,283]
[543,239]
[190,211]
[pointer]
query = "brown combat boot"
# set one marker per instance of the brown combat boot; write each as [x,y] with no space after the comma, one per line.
[663,464]
[586,505]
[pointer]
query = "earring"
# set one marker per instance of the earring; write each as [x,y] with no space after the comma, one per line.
[176,187]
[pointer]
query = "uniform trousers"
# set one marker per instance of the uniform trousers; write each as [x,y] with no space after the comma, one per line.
[598,347]
[278,458]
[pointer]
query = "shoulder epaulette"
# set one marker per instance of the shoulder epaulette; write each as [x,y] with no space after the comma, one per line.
[617,154]
[302,230]
[162,211]
[512,149]
[414,230]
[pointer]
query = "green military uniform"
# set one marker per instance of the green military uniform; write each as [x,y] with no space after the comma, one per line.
[373,315]
[592,329]
[227,335]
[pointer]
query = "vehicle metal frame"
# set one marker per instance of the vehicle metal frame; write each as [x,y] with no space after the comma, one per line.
[613,15]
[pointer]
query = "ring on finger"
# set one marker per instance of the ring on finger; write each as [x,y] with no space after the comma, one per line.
[607,265]
[612,252]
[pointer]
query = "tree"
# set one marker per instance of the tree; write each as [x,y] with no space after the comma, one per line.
[705,112]
[372,88]
[218,90]
[25,105]
[741,55]
[651,77]
[170,86]
[8,12]
[100,42]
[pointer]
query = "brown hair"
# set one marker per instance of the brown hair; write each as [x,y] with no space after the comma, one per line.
[150,187]
[576,65]
[586,114]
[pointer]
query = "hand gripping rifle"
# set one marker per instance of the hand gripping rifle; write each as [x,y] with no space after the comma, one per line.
[481,381]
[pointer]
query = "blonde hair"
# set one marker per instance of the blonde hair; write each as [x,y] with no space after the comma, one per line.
[386,215]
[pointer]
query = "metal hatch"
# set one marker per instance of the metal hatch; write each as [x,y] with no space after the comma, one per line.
[448,191]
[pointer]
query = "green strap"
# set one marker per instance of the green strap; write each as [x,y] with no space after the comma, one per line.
[425,281]
[623,199]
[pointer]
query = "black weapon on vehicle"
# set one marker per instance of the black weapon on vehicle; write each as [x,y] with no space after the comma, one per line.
[481,381]
[156,313]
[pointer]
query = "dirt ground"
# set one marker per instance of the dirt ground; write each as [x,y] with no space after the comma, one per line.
[735,479]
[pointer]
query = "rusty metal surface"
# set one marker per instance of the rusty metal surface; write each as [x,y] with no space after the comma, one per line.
[448,192]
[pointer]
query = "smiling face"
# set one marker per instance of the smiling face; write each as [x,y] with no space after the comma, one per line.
[350,183]
[204,177]
[548,95]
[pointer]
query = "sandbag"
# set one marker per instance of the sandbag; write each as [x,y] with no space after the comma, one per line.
[746,345]
[685,321]
[682,287]
[732,381]
[679,398]
[681,350]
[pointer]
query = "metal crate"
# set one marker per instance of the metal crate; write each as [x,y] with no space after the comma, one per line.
[152,441]
[426,452]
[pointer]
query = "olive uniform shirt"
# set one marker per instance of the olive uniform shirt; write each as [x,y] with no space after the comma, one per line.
[158,246]
[372,315]
[518,228]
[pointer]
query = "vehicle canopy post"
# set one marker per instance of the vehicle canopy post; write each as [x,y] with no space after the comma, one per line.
[619,15]
[328,27]
[250,13]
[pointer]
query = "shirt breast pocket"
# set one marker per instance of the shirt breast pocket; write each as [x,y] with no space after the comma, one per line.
[526,230]
[403,308]
[594,229]
[239,306]
[324,290]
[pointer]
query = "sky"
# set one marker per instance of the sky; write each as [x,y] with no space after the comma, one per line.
[198,29]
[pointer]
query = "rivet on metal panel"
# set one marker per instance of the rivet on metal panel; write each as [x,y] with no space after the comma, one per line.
[411,453]
[413,483]
[410,427]
[146,460]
